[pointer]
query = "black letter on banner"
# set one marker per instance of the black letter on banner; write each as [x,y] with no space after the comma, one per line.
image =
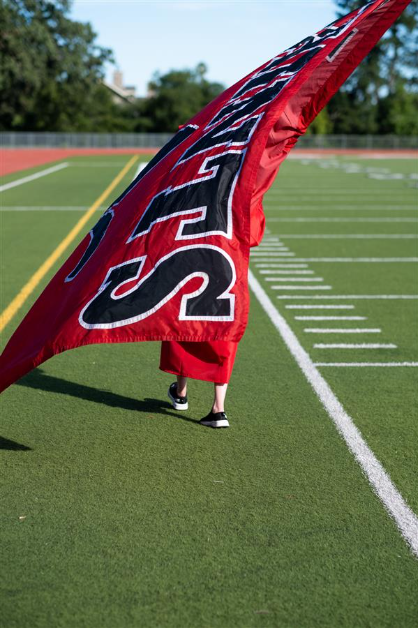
[175,141]
[224,135]
[283,67]
[241,106]
[211,301]
[96,236]
[207,199]
[279,69]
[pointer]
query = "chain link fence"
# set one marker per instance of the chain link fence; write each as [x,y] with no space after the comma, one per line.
[156,140]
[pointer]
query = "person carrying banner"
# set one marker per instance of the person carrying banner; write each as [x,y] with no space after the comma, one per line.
[210,361]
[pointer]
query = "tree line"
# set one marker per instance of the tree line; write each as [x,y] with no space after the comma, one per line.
[52,70]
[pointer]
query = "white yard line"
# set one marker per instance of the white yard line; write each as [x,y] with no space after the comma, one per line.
[398,509]
[276,265]
[320,307]
[96,164]
[32,177]
[374,220]
[360,364]
[351,236]
[44,208]
[285,272]
[346,191]
[348,260]
[350,296]
[330,318]
[301,279]
[301,288]
[333,330]
[354,208]
[364,345]
[268,254]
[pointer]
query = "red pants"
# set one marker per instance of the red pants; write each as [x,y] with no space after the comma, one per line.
[211,361]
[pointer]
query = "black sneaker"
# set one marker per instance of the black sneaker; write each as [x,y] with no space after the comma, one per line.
[179,403]
[215,419]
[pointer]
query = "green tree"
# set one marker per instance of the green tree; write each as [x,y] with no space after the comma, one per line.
[371,100]
[51,71]
[175,97]
[321,125]
[398,112]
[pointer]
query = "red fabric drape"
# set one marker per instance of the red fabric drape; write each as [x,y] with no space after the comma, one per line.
[169,259]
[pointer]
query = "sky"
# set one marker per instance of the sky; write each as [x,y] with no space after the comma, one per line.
[231,37]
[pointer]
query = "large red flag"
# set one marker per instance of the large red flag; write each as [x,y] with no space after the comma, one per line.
[169,259]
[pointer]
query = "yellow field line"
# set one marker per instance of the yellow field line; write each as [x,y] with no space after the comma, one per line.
[28,288]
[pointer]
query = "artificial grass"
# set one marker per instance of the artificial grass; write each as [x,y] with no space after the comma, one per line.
[135,516]
[118,511]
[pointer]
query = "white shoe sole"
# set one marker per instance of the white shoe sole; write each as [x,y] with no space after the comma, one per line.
[223,423]
[177,406]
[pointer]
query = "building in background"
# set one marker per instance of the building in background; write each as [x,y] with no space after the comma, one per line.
[120,93]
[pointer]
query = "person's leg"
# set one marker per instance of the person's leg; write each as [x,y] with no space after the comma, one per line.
[181,386]
[217,416]
[219,400]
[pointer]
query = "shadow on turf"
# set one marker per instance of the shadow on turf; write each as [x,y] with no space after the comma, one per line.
[38,380]
[11,445]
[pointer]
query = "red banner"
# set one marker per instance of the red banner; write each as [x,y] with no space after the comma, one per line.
[169,259]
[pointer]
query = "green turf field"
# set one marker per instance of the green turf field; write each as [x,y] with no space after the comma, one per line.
[118,512]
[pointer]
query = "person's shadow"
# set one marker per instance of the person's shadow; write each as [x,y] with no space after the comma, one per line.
[12,445]
[39,380]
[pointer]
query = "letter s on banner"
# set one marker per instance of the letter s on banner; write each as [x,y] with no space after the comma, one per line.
[212,301]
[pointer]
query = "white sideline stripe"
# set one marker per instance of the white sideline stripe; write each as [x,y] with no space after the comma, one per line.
[285,272]
[366,364]
[351,296]
[319,307]
[352,236]
[330,318]
[366,345]
[379,260]
[301,287]
[140,168]
[379,479]
[32,177]
[359,330]
[307,279]
[349,220]
[276,265]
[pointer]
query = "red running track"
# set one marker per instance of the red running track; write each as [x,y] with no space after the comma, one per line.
[15,159]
